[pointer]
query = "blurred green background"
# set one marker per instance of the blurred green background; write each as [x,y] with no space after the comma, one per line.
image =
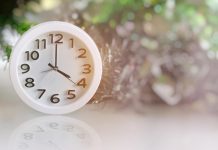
[199,15]
[167,47]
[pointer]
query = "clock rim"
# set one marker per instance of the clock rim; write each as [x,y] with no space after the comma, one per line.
[54,26]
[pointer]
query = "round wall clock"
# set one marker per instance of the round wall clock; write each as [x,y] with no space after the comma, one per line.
[55,67]
[54,133]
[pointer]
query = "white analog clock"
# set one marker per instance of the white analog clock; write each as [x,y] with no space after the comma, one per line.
[55,67]
[54,133]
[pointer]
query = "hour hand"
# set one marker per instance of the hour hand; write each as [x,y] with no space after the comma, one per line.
[61,72]
[64,74]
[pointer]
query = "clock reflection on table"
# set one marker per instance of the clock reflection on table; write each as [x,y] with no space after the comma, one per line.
[54,133]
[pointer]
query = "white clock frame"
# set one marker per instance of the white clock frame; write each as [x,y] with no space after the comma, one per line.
[53,26]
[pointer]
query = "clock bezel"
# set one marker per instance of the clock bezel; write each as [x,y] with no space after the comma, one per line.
[56,26]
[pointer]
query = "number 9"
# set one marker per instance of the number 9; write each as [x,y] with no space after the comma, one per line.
[25,68]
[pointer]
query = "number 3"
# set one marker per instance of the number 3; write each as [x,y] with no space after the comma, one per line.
[87,68]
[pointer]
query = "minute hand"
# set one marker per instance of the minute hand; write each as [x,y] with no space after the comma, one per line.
[56,55]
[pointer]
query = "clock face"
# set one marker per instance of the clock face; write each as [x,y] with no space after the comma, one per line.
[54,133]
[56,70]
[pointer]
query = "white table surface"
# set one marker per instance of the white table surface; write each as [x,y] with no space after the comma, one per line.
[159,128]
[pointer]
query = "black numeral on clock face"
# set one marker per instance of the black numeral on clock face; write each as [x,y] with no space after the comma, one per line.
[54,99]
[40,43]
[29,82]
[56,38]
[42,91]
[25,68]
[34,55]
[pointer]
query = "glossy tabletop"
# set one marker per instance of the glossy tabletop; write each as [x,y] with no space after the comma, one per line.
[106,127]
